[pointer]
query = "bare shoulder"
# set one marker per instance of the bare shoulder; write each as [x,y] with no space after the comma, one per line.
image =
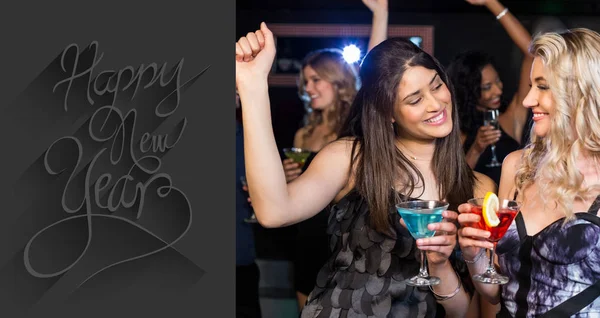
[341,148]
[339,155]
[512,161]
[510,165]
[299,136]
[301,131]
[483,185]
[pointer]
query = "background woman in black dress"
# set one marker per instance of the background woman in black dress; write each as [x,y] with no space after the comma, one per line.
[328,84]
[478,88]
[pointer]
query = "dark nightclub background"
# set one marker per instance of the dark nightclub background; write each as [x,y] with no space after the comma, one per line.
[457,26]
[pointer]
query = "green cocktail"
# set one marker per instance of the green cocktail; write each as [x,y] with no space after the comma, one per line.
[297,154]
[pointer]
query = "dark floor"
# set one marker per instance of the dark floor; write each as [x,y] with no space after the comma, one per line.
[274,249]
[277,296]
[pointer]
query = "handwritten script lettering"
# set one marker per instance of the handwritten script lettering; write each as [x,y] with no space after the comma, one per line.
[121,171]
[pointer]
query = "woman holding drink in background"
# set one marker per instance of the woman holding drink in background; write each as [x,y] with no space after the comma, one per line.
[491,126]
[328,84]
[399,143]
[550,254]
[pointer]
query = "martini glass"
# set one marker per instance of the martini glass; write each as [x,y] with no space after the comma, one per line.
[506,214]
[417,215]
[298,155]
[491,119]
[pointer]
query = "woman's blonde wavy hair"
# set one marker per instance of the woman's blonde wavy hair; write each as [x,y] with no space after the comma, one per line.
[571,63]
[330,65]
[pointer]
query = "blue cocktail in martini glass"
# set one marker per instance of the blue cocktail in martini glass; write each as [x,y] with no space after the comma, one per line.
[417,215]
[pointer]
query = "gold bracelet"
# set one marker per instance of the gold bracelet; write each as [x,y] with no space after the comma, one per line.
[446,297]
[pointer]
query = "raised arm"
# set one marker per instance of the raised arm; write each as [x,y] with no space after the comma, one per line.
[513,27]
[522,38]
[275,202]
[380,21]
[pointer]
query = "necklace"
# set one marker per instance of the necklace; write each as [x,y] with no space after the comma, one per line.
[411,155]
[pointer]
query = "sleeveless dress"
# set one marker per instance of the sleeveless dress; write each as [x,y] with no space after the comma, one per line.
[364,276]
[550,267]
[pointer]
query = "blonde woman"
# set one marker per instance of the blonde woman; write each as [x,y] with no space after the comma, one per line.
[328,84]
[551,252]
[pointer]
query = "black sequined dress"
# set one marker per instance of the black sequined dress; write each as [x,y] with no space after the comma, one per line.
[364,277]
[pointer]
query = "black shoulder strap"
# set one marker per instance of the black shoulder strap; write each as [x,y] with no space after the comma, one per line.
[574,304]
[595,206]
[592,218]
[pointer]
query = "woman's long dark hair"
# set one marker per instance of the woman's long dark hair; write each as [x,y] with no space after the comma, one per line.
[465,74]
[375,158]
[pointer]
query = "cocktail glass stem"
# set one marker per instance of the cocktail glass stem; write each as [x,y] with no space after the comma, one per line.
[423,273]
[490,276]
[494,162]
[423,278]
[491,270]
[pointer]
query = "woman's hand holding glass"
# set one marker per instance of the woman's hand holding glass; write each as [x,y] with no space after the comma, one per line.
[292,170]
[470,239]
[487,135]
[441,245]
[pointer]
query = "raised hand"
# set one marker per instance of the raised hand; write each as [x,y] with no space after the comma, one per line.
[376,6]
[254,55]
[470,239]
